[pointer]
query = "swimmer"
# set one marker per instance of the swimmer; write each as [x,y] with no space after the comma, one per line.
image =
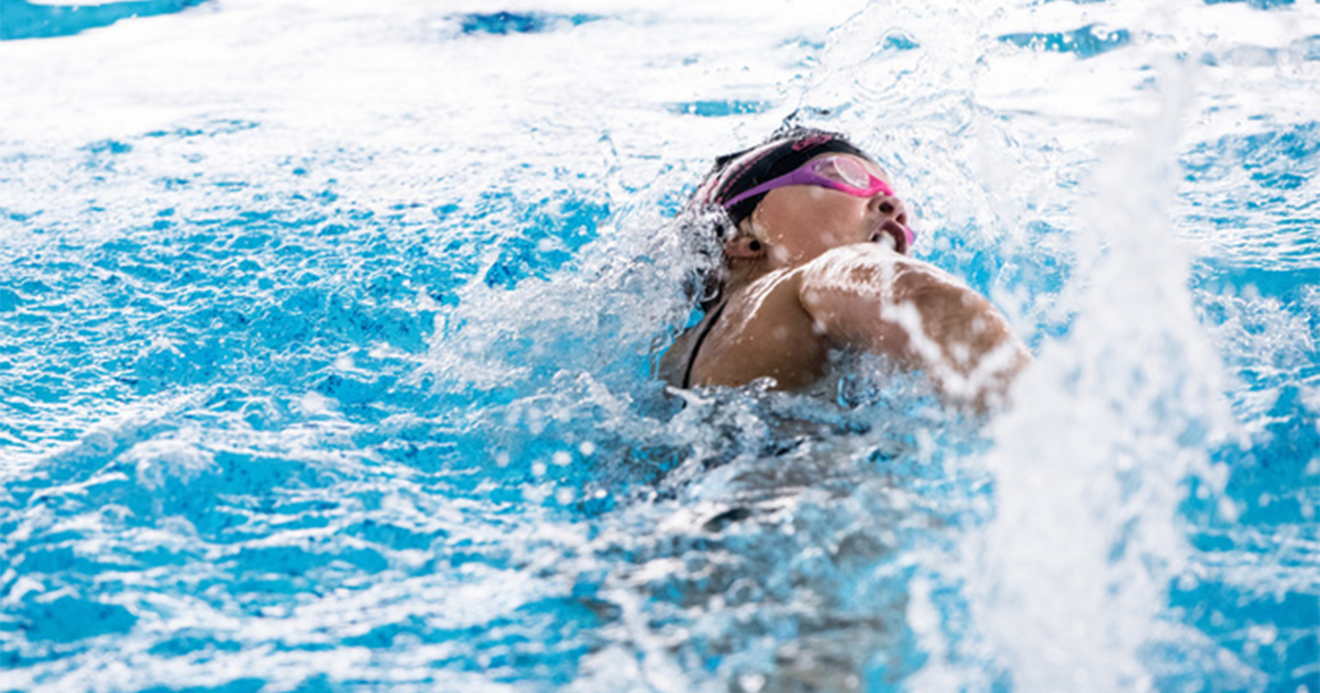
[815,259]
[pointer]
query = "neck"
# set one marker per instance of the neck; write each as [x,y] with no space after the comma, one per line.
[744,272]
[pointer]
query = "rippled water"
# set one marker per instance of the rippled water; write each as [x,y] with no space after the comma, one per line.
[327,335]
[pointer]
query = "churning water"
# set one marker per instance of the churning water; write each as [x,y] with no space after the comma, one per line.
[327,333]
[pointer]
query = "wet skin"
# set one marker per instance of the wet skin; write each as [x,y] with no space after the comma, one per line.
[814,269]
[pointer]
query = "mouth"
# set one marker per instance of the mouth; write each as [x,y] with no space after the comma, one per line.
[897,233]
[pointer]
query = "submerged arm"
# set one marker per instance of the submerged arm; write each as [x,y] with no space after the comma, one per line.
[919,316]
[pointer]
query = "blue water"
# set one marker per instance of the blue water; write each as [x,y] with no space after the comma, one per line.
[20,19]
[328,332]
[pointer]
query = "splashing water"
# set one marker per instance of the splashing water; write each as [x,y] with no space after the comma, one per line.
[328,337]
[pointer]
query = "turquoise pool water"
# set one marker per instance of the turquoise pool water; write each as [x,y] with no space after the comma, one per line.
[327,332]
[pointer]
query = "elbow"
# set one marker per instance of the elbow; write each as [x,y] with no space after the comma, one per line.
[984,382]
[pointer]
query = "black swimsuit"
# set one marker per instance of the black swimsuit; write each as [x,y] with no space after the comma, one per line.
[696,347]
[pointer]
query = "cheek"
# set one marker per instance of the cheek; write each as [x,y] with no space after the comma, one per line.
[811,218]
[843,216]
[829,209]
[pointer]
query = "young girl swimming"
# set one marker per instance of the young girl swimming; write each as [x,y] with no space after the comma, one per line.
[815,245]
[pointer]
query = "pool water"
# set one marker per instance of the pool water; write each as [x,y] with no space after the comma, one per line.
[327,335]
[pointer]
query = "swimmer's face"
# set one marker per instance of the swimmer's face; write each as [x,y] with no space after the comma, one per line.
[797,223]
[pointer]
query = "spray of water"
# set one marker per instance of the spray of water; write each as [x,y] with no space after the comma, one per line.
[1091,465]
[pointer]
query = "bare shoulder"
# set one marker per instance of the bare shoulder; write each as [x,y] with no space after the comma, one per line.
[761,331]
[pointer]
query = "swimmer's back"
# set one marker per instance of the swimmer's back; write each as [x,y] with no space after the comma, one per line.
[760,331]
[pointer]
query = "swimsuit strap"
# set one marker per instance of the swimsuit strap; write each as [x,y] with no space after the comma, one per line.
[692,356]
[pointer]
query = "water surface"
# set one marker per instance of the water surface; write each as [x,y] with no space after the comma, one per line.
[328,335]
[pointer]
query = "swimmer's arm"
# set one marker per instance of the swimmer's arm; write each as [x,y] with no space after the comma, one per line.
[919,316]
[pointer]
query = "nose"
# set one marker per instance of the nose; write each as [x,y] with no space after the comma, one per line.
[890,207]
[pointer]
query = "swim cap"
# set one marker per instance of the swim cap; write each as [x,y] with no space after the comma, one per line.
[744,170]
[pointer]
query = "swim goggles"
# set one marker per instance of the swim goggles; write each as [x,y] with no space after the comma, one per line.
[840,172]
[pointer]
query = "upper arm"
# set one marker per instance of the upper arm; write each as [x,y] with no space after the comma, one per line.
[865,297]
[918,315]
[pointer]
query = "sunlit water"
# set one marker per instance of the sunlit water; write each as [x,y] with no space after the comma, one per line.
[327,333]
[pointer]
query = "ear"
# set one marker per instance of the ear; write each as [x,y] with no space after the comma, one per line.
[744,247]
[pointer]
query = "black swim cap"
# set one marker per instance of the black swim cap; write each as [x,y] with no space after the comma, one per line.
[781,154]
